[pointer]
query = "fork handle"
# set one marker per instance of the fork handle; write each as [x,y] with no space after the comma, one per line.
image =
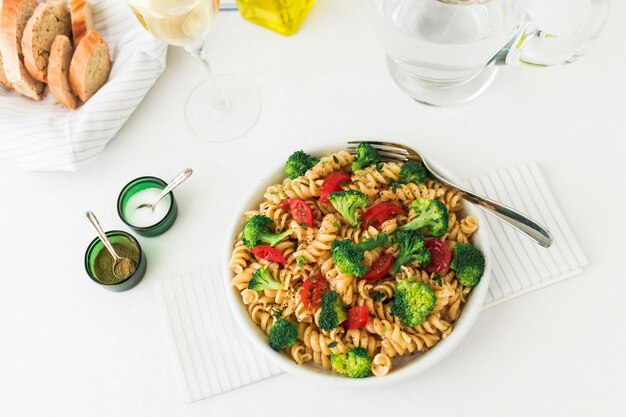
[514,218]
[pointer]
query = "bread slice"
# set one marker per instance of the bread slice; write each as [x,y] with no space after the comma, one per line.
[59,71]
[91,65]
[13,17]
[82,19]
[3,77]
[48,21]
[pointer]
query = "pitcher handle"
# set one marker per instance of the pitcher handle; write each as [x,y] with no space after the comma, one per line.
[535,47]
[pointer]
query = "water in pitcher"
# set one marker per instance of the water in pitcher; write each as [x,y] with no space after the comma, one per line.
[441,42]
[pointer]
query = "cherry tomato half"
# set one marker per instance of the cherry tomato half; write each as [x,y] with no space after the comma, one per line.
[269,253]
[332,184]
[357,317]
[311,292]
[440,256]
[300,211]
[379,268]
[378,214]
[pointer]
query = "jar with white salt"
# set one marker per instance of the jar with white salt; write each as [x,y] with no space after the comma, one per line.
[133,206]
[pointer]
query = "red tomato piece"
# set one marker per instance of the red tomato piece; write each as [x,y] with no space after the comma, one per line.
[332,184]
[378,214]
[312,290]
[357,317]
[379,268]
[269,253]
[440,256]
[300,211]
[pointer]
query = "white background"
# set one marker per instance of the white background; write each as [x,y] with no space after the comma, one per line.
[70,348]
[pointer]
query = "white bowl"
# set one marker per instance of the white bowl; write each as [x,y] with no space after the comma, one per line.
[402,367]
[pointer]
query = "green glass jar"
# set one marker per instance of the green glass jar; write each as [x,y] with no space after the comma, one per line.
[117,238]
[127,204]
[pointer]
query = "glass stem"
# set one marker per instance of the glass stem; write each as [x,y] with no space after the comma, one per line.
[218,100]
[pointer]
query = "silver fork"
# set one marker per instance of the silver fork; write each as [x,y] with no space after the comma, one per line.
[394,152]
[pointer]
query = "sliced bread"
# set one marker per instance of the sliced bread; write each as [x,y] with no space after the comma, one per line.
[82,19]
[59,71]
[3,77]
[13,18]
[49,20]
[91,65]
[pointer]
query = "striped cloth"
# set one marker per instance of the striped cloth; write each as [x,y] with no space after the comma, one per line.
[46,136]
[519,265]
[212,357]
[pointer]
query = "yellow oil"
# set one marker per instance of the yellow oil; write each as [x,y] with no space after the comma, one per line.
[282,16]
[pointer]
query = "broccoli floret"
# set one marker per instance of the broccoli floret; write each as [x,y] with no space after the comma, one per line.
[412,248]
[432,214]
[298,164]
[366,155]
[348,256]
[262,279]
[346,203]
[356,363]
[412,172]
[257,230]
[412,302]
[333,313]
[424,258]
[469,264]
[283,334]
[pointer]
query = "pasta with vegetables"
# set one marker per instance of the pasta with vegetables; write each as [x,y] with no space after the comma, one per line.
[351,263]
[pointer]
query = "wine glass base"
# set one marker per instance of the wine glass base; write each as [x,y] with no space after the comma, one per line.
[244,106]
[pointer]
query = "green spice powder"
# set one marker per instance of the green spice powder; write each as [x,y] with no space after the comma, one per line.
[103,264]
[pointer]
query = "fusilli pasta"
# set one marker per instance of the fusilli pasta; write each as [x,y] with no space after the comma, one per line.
[307,253]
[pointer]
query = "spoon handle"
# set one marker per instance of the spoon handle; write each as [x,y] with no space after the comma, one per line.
[186,173]
[103,237]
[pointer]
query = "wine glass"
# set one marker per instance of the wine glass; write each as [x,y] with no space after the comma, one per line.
[222,107]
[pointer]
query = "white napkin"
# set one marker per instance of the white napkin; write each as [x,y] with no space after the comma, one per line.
[212,357]
[46,136]
[519,265]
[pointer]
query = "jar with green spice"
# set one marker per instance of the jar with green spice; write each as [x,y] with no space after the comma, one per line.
[99,262]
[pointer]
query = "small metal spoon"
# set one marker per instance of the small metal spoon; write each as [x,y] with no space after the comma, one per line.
[121,266]
[186,173]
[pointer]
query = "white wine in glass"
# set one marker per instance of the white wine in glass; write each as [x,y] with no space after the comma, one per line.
[221,108]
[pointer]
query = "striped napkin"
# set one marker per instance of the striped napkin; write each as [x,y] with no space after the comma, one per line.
[46,136]
[212,357]
[519,265]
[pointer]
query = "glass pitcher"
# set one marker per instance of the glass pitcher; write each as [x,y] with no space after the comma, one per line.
[443,52]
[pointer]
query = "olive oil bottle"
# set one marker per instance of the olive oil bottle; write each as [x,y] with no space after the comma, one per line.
[281,16]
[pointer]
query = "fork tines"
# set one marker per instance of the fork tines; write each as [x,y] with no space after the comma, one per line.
[389,152]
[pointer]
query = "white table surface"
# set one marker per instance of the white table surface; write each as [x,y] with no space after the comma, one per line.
[70,348]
